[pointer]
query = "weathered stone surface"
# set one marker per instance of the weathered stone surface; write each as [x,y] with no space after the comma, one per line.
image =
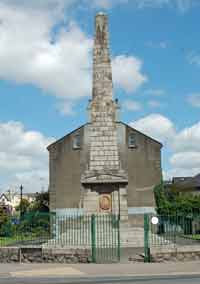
[103,153]
[8,255]
[183,253]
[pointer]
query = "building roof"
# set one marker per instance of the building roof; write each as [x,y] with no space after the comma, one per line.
[147,136]
[65,136]
[187,182]
[4,195]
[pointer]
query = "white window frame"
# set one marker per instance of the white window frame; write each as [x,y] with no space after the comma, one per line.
[77,141]
[131,138]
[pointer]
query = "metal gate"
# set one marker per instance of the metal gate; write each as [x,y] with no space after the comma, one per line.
[99,233]
[105,236]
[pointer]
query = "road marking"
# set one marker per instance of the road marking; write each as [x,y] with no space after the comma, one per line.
[62,271]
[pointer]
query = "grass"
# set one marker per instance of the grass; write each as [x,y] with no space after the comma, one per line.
[8,241]
[5,241]
[193,237]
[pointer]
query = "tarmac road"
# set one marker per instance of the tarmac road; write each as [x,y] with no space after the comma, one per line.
[105,280]
[136,273]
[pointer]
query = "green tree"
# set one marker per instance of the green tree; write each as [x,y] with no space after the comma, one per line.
[163,206]
[5,223]
[171,201]
[3,215]
[23,206]
[41,202]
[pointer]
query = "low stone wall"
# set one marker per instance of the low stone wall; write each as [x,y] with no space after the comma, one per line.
[184,253]
[39,255]
[10,254]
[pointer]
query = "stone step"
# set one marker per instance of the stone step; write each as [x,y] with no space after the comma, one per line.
[129,237]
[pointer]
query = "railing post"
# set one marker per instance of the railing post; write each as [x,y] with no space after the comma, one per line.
[146,239]
[93,237]
[118,238]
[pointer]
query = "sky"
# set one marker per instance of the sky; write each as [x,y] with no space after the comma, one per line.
[45,79]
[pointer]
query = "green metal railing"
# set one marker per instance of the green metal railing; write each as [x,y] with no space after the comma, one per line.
[173,230]
[170,231]
[72,230]
[146,239]
[30,229]
[99,233]
[105,238]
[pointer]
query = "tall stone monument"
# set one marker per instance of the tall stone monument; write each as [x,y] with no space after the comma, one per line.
[104,165]
[104,181]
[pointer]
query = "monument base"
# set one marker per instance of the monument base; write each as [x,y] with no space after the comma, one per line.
[106,199]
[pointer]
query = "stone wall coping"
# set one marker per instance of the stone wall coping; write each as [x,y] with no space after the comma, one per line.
[64,251]
[48,250]
[176,249]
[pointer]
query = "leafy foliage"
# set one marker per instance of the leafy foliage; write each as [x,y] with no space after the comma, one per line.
[23,206]
[4,218]
[34,221]
[170,202]
[41,202]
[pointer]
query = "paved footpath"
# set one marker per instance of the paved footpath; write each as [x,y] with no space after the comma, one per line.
[31,271]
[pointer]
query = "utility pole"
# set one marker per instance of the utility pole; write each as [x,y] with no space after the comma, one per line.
[21,192]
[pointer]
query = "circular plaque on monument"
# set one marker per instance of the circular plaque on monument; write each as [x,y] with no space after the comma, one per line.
[105,202]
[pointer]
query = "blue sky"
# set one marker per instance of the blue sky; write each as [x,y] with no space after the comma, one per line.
[45,78]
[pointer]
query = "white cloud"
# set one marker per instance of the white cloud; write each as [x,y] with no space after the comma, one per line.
[52,6]
[161,44]
[181,5]
[184,145]
[151,3]
[106,4]
[65,107]
[61,5]
[194,58]
[155,92]
[184,5]
[194,100]
[188,140]
[154,104]
[186,160]
[54,64]
[157,126]
[52,67]
[180,172]
[15,140]
[22,152]
[127,73]
[132,105]
[32,181]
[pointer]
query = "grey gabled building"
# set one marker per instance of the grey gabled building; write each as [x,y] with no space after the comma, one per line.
[105,165]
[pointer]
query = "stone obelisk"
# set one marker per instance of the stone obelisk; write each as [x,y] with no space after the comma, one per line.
[103,148]
[104,159]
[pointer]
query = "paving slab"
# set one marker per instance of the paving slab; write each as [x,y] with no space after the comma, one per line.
[99,270]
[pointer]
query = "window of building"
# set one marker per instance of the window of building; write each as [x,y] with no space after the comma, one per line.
[131,140]
[77,141]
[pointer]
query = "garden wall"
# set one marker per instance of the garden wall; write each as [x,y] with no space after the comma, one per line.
[182,253]
[39,255]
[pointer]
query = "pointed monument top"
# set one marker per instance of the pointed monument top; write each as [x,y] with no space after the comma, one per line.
[101,14]
[102,73]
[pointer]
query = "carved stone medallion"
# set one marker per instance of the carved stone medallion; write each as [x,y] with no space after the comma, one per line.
[105,202]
